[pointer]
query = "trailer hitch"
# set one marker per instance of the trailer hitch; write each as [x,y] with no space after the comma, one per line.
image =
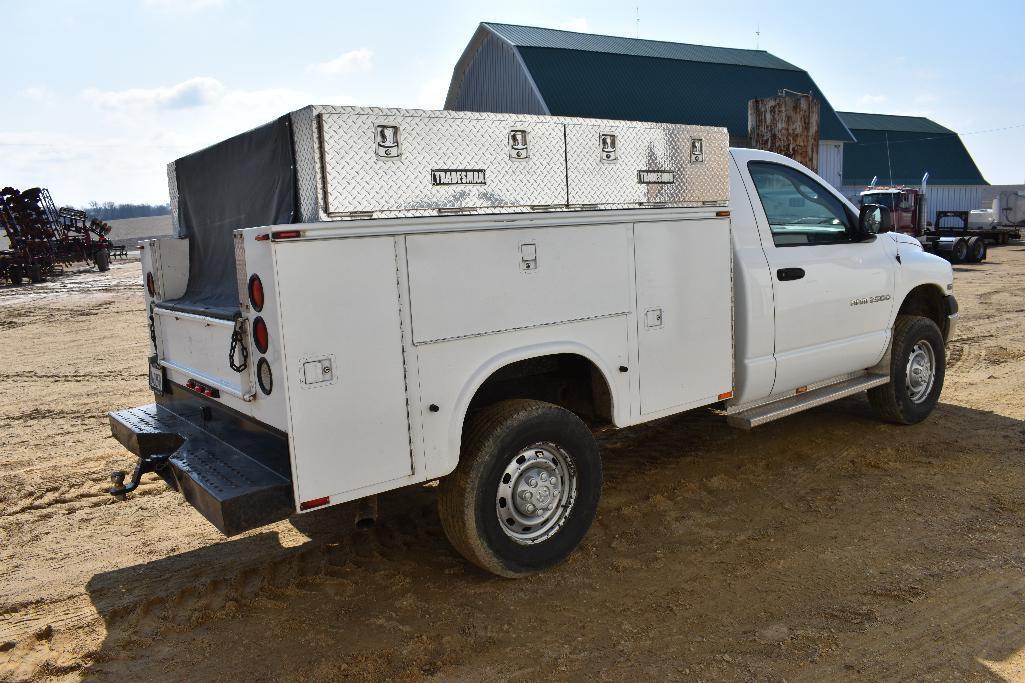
[149,463]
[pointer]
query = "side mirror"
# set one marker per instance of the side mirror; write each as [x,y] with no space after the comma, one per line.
[874,219]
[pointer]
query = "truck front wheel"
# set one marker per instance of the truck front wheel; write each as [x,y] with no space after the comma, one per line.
[917,366]
[526,489]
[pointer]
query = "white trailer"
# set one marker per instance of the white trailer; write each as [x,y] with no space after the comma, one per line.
[463,297]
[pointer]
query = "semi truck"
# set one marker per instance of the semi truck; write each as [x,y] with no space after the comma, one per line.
[362,299]
[963,238]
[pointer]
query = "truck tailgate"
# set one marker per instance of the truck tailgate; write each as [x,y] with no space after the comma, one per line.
[196,347]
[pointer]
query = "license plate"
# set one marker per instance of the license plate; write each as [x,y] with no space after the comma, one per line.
[156,378]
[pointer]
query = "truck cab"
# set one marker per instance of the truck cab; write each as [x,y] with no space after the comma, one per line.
[904,204]
[465,297]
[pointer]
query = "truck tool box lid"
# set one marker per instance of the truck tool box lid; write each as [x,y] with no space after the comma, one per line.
[323,163]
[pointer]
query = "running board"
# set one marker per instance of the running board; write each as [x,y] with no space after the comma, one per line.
[759,415]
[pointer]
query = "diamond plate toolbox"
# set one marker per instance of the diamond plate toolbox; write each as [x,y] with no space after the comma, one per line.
[354,162]
[618,163]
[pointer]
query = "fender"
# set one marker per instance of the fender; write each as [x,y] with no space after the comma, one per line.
[499,361]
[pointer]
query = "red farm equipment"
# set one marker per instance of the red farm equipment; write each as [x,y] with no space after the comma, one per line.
[42,238]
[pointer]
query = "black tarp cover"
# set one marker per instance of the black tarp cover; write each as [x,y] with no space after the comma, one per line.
[242,182]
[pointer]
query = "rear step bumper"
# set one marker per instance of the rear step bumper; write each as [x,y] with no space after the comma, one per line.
[236,479]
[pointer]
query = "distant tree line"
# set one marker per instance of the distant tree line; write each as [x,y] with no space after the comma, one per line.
[109,211]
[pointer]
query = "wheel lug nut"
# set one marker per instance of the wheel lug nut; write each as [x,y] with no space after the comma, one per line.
[531,508]
[543,477]
[531,482]
[526,495]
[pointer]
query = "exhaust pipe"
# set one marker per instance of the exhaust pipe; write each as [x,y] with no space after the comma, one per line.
[366,512]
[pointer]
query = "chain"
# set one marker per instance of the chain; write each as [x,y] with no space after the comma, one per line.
[236,337]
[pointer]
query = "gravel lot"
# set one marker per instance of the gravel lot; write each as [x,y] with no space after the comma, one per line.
[824,546]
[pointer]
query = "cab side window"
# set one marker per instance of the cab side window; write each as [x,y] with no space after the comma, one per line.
[800,211]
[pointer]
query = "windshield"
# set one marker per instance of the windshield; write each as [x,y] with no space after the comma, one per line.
[886,199]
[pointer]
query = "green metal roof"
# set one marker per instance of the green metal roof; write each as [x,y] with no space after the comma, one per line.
[639,87]
[901,149]
[907,124]
[532,36]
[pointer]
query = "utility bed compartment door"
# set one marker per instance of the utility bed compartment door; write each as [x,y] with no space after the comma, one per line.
[684,312]
[468,283]
[339,304]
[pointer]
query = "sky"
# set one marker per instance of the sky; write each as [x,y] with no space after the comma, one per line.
[99,96]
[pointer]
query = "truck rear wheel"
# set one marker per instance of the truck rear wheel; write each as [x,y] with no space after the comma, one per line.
[917,367]
[976,249]
[959,252]
[526,489]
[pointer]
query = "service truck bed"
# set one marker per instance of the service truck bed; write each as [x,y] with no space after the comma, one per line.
[233,471]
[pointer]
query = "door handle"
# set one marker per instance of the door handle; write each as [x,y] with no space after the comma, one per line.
[784,274]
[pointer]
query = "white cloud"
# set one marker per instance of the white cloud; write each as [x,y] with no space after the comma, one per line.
[37,93]
[578,24]
[130,136]
[183,5]
[871,100]
[348,62]
[432,92]
[195,92]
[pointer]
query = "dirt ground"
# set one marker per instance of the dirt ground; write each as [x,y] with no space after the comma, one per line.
[824,546]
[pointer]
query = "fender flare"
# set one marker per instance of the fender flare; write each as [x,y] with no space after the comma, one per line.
[514,355]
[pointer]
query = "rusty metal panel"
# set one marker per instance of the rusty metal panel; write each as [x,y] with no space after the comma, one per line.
[787,124]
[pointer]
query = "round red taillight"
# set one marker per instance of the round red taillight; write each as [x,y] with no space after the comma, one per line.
[151,286]
[255,293]
[260,335]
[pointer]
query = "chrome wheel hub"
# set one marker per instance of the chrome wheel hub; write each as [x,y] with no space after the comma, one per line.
[920,374]
[536,493]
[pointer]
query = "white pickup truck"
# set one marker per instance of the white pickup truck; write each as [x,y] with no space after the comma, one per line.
[363,299]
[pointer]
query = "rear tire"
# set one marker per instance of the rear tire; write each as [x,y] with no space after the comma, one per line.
[976,249]
[36,273]
[517,454]
[16,275]
[959,252]
[917,367]
[102,260]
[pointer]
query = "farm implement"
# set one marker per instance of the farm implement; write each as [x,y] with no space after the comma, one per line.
[42,238]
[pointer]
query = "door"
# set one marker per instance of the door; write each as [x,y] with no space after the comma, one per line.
[345,379]
[684,312]
[833,296]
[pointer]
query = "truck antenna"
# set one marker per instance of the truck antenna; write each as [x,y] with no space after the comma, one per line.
[637,25]
[758,35]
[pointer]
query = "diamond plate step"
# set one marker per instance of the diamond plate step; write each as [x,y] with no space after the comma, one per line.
[231,488]
[770,412]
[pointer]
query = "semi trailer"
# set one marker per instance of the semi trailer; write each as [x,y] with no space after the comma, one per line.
[362,299]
